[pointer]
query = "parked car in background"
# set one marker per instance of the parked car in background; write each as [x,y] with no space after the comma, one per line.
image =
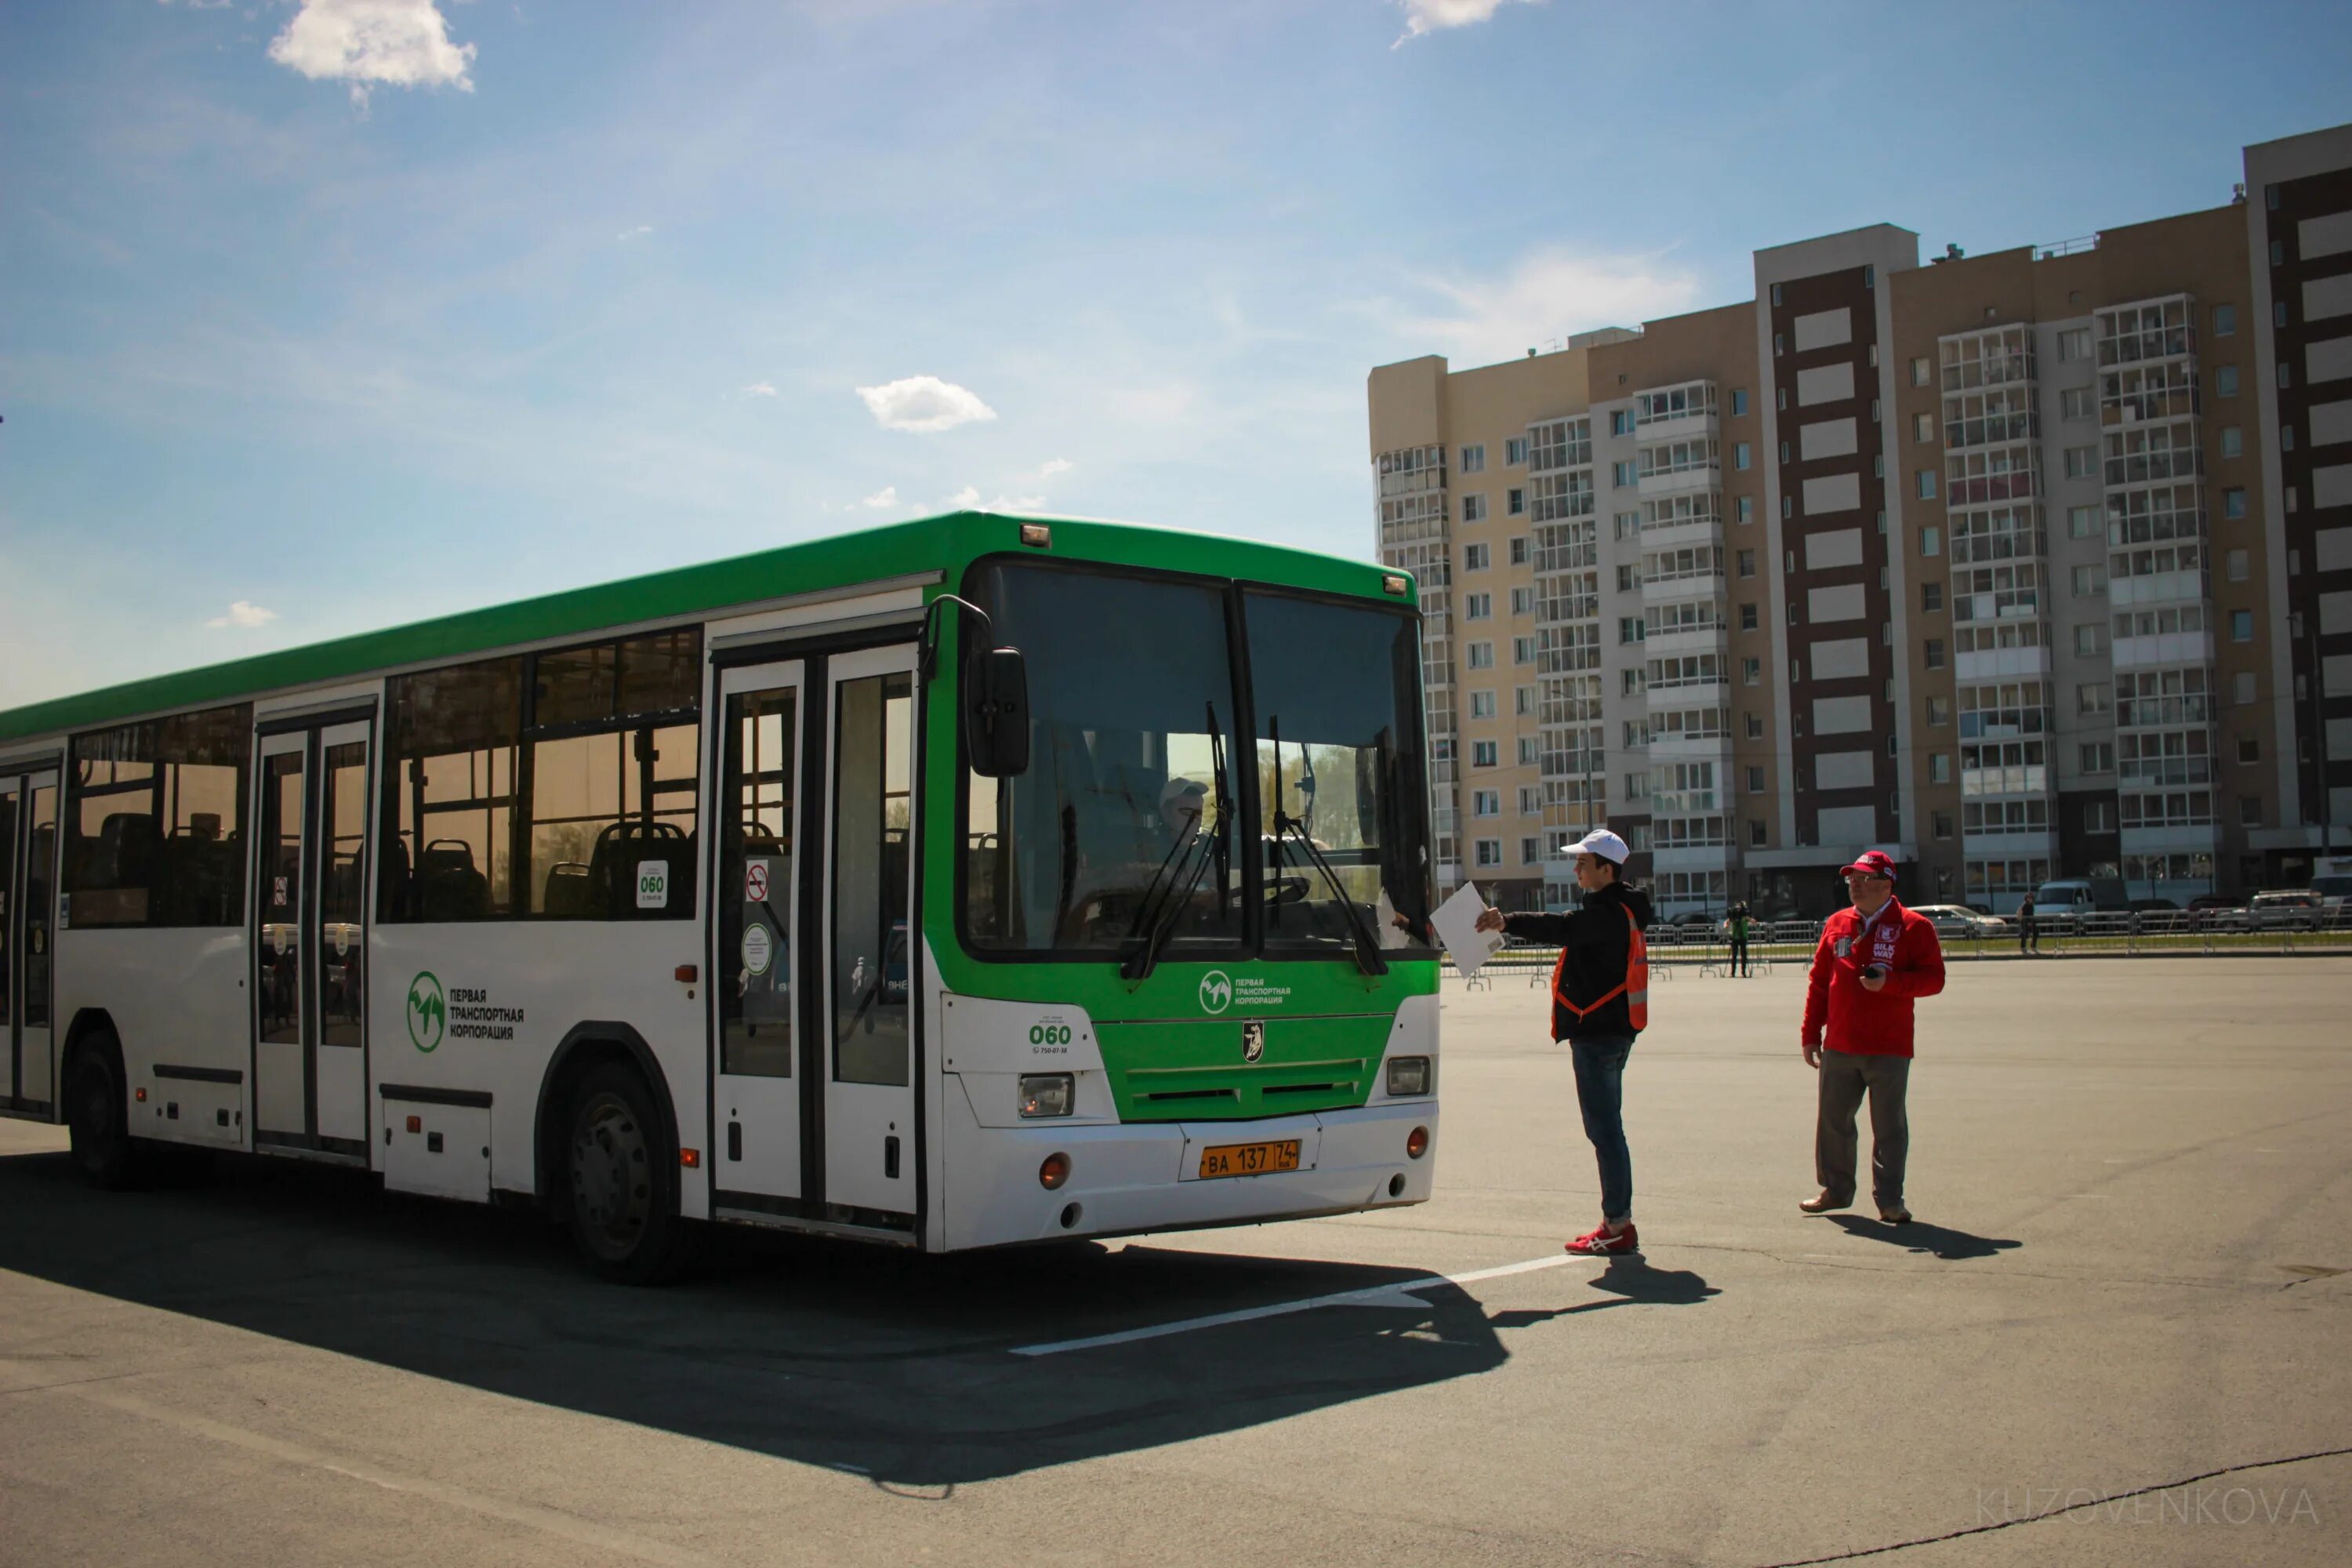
[2335,891]
[2295,909]
[2152,905]
[2080,896]
[1959,920]
[2216,911]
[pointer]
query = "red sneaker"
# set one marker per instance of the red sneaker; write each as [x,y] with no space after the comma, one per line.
[1599,1243]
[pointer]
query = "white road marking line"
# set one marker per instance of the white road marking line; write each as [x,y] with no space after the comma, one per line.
[553,1522]
[1370,1296]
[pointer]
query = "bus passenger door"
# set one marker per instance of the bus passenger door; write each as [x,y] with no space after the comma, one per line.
[310,939]
[869,1096]
[29,900]
[756,989]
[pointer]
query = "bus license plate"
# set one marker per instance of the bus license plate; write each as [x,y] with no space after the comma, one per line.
[1249,1159]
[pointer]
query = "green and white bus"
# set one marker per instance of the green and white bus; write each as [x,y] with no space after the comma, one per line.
[972,881]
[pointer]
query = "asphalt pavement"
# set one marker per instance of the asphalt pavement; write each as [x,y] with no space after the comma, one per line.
[2119,1331]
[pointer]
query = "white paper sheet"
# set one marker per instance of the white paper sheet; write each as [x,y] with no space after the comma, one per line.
[1457,921]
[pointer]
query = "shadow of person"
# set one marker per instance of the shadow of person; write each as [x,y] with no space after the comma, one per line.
[1630,1281]
[1935,1239]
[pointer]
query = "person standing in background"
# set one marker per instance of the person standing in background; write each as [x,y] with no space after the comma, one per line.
[2028,937]
[1735,927]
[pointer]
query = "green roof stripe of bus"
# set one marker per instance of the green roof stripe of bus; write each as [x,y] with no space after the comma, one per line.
[948,543]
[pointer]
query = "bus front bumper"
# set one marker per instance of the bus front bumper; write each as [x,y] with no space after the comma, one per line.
[1130,1177]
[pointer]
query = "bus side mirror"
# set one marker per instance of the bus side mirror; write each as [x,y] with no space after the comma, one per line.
[997,713]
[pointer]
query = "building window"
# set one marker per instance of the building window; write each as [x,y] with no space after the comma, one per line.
[2234,501]
[1531,851]
[1739,401]
[2241,690]
[1475,557]
[1942,821]
[2098,817]
[1931,541]
[1747,563]
[2082,522]
[1527,744]
[2241,625]
[1515,504]
[2239,565]
[1755,778]
[1740,455]
[1477,607]
[1932,653]
[1755,723]
[1755,832]
[2233,441]
[1779,344]
[1515,451]
[1520,547]
[1482,705]
[1474,508]
[1625,473]
[1484,754]
[1784,451]
[1481,654]
[1923,427]
[1939,767]
[1775,294]
[1485,803]
[2081,462]
[1745,511]
[1629,525]
[1474,460]
[1629,629]
[1940,712]
[2074,403]
[2075,343]
[1751,672]
[2093,697]
[1621,422]
[2090,582]
[1922,373]
[2278,253]
[1748,618]
[2225,381]
[1927,484]
[1523,601]
[1931,597]
[2249,811]
[1625,578]
[2225,321]
[1523,650]
[1490,851]
[1523,700]
[2090,639]
[2250,751]
[2098,757]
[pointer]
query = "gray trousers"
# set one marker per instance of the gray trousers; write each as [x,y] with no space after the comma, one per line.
[1845,1079]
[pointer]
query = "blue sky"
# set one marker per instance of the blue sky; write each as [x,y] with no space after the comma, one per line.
[324,315]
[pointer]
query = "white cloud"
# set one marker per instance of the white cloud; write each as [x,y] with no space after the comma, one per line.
[1545,295]
[639,232]
[1017,503]
[964,498]
[923,404]
[1053,466]
[400,43]
[243,615]
[1436,15]
[761,389]
[888,496]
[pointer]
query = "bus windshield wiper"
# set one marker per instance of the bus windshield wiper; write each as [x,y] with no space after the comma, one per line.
[1367,945]
[1155,918]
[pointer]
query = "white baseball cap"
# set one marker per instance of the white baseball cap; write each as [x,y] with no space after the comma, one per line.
[1603,843]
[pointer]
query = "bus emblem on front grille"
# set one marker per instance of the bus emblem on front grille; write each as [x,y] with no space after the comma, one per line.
[1253,1040]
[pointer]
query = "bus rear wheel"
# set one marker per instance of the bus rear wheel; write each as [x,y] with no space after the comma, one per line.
[624,1181]
[98,1120]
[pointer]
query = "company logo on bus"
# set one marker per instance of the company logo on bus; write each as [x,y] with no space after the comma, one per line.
[428,1013]
[1216,991]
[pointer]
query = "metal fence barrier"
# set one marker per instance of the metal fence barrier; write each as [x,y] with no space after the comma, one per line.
[2151,933]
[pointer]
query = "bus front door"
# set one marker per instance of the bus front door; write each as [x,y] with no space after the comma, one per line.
[813,1088]
[310,939]
[29,900]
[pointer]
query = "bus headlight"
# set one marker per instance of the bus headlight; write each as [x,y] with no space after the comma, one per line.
[1047,1093]
[1408,1075]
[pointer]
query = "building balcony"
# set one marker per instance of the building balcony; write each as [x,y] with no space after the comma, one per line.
[1677,428]
[2029,780]
[2001,663]
[1673,590]
[2028,846]
[2172,840]
[2169,647]
[1694,857]
[2188,587]
[1681,748]
[1682,481]
[1682,533]
[1681,698]
[1716,638]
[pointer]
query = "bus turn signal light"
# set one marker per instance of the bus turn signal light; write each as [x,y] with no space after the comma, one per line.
[1416,1143]
[1054,1172]
[690,1158]
[1036,536]
[685,974]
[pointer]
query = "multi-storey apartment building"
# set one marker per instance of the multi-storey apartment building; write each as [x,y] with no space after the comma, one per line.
[2021,565]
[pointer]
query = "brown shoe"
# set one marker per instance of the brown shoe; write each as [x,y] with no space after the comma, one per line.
[1893,1214]
[1823,1203]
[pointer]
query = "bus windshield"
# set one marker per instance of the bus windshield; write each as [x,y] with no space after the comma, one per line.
[1132,811]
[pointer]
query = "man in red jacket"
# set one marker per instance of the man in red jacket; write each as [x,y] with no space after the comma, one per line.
[1875,960]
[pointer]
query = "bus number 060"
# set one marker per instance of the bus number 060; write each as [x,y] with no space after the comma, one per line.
[1049,1034]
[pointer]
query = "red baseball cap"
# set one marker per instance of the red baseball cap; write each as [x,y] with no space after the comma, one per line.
[1872,863]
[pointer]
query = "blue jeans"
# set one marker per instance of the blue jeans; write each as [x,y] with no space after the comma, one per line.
[1600,1095]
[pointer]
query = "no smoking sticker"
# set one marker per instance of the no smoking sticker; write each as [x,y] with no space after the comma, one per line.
[755,882]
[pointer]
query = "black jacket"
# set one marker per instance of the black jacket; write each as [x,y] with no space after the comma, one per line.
[1597,939]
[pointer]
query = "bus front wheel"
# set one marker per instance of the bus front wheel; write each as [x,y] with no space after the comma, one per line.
[624,1179]
[97,1119]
